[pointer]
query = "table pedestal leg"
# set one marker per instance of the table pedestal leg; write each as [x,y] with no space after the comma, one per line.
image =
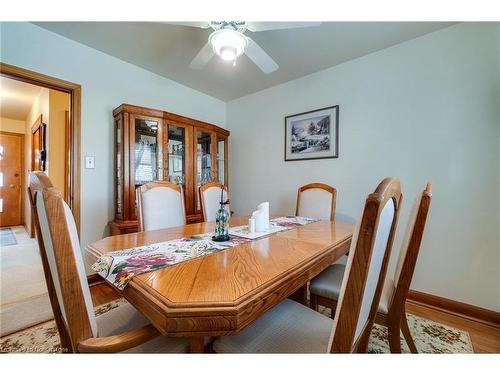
[300,295]
[197,344]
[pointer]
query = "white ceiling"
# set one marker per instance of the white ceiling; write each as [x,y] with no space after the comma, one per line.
[168,49]
[17,98]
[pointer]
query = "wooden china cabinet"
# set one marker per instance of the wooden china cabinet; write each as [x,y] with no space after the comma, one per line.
[157,145]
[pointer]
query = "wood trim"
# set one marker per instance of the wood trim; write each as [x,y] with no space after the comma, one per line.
[152,185]
[461,309]
[319,185]
[169,116]
[67,154]
[38,124]
[74,90]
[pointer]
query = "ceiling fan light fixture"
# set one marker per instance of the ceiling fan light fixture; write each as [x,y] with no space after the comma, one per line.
[228,53]
[228,44]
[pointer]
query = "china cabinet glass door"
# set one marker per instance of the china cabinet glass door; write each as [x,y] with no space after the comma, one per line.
[176,155]
[119,167]
[203,161]
[147,152]
[221,159]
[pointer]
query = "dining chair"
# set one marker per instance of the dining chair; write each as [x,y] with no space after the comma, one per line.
[160,205]
[291,327]
[120,329]
[325,288]
[210,200]
[316,200]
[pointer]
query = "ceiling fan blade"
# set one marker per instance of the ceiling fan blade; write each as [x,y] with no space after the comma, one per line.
[260,57]
[265,26]
[203,57]
[200,24]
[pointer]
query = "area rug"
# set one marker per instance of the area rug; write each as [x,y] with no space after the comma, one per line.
[24,300]
[7,237]
[429,336]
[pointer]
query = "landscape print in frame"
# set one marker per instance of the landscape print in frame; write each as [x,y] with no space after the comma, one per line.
[312,135]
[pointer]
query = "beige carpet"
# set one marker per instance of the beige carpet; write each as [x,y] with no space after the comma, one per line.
[24,301]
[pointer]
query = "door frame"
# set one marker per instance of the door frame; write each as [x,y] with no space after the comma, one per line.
[74,90]
[43,135]
[22,203]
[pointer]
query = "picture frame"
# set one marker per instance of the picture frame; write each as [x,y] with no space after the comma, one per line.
[312,135]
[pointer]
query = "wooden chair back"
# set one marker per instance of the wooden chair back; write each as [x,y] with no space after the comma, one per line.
[63,263]
[38,181]
[316,200]
[410,247]
[366,268]
[210,199]
[160,204]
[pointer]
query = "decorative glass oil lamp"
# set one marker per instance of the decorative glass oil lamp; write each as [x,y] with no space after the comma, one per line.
[222,220]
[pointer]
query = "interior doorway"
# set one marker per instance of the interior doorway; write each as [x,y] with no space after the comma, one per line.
[41,138]
[11,178]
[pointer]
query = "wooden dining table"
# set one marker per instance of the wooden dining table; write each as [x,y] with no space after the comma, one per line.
[222,293]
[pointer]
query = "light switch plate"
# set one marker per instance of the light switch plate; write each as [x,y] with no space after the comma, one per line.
[89,162]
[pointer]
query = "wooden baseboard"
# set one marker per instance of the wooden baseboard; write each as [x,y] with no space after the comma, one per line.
[461,309]
[94,279]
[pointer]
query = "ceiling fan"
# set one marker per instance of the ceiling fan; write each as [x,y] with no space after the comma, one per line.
[229,42]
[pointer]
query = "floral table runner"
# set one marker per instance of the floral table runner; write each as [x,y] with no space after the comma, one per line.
[119,267]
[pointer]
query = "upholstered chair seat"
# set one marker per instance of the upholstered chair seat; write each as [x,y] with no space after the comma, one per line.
[126,318]
[287,328]
[327,284]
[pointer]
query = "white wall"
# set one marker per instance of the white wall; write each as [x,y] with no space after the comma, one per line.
[422,110]
[11,125]
[106,83]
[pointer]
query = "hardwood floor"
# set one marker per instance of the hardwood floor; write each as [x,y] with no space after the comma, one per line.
[102,293]
[485,338]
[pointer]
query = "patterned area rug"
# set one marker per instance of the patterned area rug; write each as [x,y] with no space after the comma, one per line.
[429,336]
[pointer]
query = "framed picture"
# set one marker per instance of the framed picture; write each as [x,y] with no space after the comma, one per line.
[312,135]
